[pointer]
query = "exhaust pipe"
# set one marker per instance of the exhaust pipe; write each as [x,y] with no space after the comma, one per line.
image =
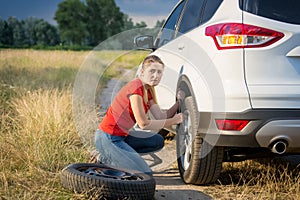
[279,147]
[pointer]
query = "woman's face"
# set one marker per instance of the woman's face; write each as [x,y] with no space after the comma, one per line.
[152,74]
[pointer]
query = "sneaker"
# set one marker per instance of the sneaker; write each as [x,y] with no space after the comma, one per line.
[94,157]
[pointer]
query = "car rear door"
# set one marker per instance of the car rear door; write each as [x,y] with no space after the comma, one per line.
[272,63]
[169,51]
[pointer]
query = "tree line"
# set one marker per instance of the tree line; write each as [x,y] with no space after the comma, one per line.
[79,23]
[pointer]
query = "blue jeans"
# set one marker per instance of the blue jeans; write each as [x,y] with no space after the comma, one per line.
[124,152]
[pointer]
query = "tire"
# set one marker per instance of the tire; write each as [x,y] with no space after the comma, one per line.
[103,182]
[198,162]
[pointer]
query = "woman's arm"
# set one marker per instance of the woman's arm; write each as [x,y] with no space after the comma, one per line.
[159,114]
[136,102]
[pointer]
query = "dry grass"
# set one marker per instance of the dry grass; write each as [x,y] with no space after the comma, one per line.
[40,139]
[252,180]
[38,136]
[37,132]
[36,69]
[41,59]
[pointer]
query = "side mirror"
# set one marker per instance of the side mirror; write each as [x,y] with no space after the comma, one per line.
[144,41]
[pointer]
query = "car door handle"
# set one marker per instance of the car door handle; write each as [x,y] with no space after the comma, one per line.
[294,52]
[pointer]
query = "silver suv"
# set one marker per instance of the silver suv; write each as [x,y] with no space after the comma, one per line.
[238,62]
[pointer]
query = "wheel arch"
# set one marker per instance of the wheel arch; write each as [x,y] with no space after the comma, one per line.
[185,85]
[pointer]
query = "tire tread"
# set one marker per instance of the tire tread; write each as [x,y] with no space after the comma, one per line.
[206,163]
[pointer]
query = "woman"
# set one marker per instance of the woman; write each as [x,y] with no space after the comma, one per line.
[120,146]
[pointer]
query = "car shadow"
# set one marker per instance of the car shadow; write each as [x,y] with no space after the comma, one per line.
[286,166]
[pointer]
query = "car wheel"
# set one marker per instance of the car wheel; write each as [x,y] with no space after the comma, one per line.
[102,181]
[198,162]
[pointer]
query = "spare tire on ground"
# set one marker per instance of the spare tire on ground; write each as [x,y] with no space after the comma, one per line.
[105,182]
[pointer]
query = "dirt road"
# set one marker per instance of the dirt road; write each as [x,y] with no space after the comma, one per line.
[169,185]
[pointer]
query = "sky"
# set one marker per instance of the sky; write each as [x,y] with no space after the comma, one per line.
[148,11]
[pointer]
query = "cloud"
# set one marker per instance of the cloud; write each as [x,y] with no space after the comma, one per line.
[22,9]
[146,7]
[148,11]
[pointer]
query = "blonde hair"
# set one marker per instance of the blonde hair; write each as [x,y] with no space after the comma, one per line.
[147,61]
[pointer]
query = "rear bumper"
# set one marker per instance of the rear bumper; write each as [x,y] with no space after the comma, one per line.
[266,126]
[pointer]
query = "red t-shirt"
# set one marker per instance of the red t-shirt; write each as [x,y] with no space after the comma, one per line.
[119,117]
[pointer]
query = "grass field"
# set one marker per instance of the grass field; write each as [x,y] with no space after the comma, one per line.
[38,136]
[37,133]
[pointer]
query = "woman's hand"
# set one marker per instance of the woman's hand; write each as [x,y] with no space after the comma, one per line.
[178,118]
[180,95]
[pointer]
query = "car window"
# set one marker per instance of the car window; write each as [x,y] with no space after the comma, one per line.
[210,9]
[191,16]
[285,11]
[168,30]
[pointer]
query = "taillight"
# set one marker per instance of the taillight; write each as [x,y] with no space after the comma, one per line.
[237,35]
[231,124]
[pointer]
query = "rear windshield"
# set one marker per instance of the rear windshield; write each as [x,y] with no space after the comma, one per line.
[280,10]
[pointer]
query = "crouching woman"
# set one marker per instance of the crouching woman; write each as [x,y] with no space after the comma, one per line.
[115,140]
